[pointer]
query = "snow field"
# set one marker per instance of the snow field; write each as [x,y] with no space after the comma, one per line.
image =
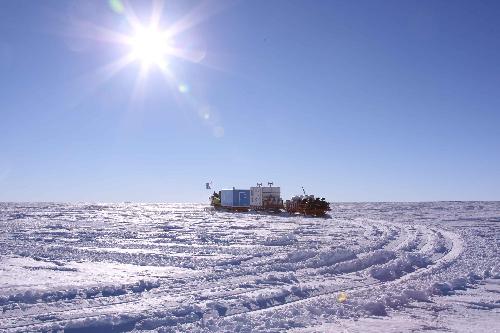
[179,267]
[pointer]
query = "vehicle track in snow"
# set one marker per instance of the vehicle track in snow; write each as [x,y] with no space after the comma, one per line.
[170,294]
[452,254]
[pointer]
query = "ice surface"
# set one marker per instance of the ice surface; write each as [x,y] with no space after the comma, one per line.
[371,267]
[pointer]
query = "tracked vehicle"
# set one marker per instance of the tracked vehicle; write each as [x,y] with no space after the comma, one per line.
[307,205]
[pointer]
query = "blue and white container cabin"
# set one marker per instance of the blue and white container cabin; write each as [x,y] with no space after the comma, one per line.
[237,199]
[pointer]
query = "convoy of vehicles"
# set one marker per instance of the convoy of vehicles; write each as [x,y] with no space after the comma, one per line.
[268,198]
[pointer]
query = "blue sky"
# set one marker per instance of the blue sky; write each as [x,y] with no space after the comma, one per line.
[355,101]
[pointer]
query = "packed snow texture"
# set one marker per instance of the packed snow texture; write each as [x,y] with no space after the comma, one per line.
[370,267]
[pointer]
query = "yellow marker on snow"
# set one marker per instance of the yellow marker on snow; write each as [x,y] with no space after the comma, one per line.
[342,297]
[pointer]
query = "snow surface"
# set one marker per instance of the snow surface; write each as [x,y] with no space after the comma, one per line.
[371,267]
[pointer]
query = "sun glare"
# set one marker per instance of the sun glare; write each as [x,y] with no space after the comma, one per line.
[150,46]
[154,43]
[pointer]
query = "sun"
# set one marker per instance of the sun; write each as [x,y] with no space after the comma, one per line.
[150,46]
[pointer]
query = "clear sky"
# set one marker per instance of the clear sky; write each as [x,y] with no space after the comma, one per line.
[354,100]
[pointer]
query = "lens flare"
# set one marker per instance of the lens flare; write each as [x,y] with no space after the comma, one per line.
[218,131]
[183,88]
[117,6]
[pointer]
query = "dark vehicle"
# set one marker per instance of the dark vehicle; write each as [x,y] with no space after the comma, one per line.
[307,205]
